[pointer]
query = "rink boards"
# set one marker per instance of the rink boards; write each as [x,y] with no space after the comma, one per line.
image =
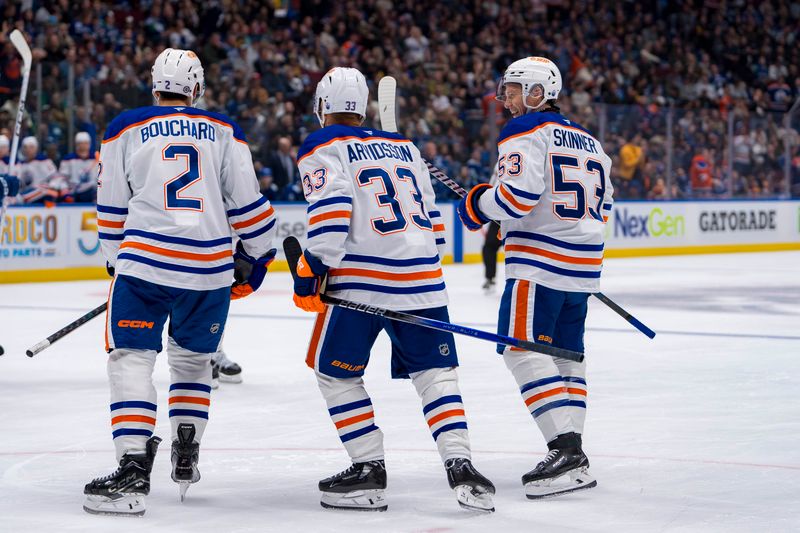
[60,243]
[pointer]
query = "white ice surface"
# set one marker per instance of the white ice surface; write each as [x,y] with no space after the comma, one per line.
[697,430]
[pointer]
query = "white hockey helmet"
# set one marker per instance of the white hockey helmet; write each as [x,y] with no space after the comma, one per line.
[529,73]
[178,71]
[341,90]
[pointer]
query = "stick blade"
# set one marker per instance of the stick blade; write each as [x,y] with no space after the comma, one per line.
[387,96]
[19,42]
[292,250]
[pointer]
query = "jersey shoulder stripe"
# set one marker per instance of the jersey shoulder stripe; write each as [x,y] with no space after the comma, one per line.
[531,122]
[137,117]
[338,132]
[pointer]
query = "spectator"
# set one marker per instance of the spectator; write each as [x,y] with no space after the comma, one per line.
[35,168]
[283,164]
[701,174]
[447,57]
[631,162]
[4,150]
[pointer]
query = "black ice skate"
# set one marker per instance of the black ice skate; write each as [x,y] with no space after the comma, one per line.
[473,491]
[565,469]
[185,454]
[359,488]
[122,493]
[229,372]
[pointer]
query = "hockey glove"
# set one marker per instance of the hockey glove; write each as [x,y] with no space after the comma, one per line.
[310,273]
[248,272]
[9,186]
[468,210]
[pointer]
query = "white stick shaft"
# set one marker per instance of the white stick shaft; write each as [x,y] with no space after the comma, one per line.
[18,126]
[25,52]
[387,96]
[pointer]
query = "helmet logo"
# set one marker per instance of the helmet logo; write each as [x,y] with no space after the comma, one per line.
[186,88]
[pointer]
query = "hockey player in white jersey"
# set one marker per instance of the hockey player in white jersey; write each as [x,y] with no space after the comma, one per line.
[373,231]
[552,197]
[80,169]
[5,145]
[35,167]
[175,183]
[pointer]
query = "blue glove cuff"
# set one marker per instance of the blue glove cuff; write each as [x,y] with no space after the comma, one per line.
[317,266]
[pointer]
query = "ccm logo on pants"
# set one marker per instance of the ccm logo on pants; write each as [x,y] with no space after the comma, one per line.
[135,324]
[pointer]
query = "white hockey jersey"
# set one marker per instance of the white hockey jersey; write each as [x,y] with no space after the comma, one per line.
[553,197]
[79,169]
[372,218]
[36,171]
[173,182]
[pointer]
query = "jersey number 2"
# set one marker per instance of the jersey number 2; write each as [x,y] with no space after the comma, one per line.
[173,188]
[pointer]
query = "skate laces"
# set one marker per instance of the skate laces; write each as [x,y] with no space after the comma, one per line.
[549,457]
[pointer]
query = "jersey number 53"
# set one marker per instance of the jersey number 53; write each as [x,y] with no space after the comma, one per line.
[579,206]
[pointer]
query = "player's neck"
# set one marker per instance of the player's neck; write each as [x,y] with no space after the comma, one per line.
[343,121]
[173,102]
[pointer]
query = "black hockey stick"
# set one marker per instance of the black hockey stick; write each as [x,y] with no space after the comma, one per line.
[387,89]
[293,251]
[66,330]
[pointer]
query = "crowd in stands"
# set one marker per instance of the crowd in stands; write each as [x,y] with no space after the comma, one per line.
[668,86]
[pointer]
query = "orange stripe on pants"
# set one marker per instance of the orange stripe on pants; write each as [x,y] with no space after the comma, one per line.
[521,312]
[312,347]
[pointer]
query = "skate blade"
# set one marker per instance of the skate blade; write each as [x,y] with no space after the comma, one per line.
[183,486]
[125,505]
[578,479]
[223,378]
[473,499]
[357,500]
